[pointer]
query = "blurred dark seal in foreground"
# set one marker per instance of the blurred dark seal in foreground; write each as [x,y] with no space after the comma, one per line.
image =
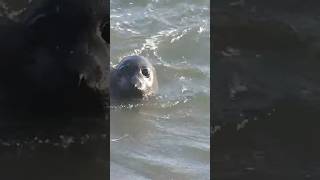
[55,61]
[53,90]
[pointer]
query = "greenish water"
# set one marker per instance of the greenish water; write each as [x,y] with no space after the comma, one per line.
[166,138]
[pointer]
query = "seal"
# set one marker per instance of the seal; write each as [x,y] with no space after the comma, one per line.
[57,55]
[133,78]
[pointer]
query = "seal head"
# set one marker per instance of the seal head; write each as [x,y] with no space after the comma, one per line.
[133,78]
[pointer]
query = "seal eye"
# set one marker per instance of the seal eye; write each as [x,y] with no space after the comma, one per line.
[145,72]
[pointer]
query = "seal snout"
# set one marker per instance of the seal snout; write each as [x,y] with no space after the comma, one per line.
[138,82]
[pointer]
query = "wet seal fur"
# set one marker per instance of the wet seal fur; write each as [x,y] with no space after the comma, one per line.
[133,78]
[55,60]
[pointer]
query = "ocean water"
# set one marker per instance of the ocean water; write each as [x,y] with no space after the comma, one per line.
[169,136]
[266,90]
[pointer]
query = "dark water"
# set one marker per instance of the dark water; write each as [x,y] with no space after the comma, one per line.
[266,90]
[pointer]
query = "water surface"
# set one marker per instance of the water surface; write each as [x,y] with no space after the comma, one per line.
[167,137]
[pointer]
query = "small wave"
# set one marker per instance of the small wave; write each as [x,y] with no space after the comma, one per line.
[183,69]
[119,138]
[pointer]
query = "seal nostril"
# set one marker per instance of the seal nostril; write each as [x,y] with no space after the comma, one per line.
[145,72]
[135,83]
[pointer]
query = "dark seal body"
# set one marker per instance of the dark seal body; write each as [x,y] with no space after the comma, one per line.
[55,59]
[133,78]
